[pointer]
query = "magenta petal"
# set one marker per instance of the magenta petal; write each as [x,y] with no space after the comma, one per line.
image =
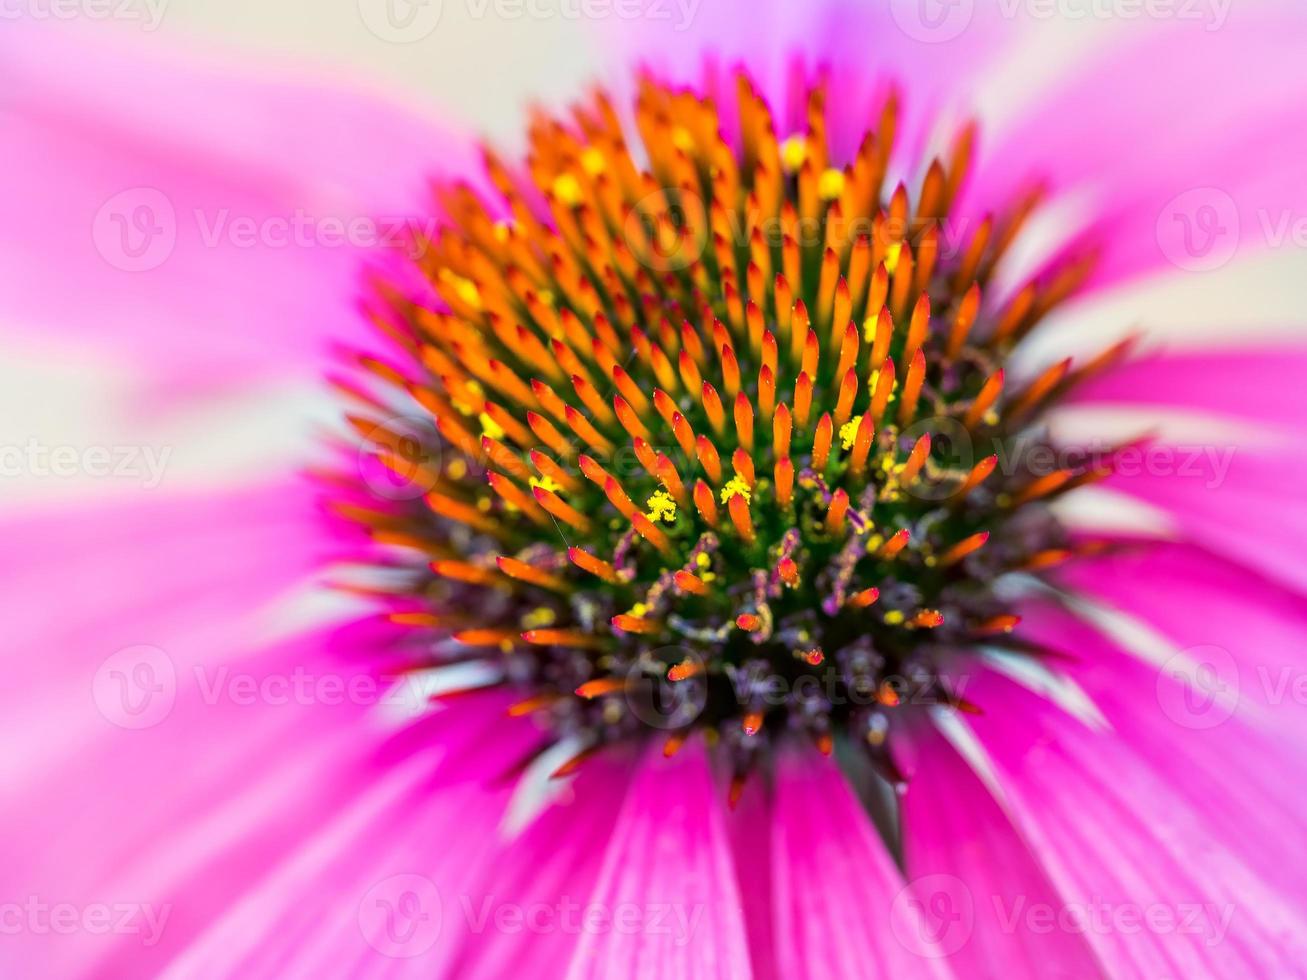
[1123,128]
[1143,874]
[214,229]
[841,907]
[667,905]
[1261,385]
[957,839]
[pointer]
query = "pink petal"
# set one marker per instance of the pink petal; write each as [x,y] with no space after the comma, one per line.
[1146,877]
[841,907]
[266,192]
[1123,128]
[957,837]
[1261,385]
[667,904]
[531,906]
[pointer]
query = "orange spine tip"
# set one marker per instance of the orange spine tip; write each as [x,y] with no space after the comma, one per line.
[486,637]
[456,510]
[985,400]
[740,517]
[825,744]
[730,372]
[886,695]
[691,379]
[963,548]
[1040,388]
[646,529]
[748,622]
[862,444]
[916,460]
[1046,559]
[752,723]
[684,434]
[769,352]
[848,350]
[560,509]
[636,624]
[821,442]
[884,387]
[897,542]
[912,388]
[744,420]
[766,393]
[618,498]
[531,705]
[865,598]
[799,327]
[1005,623]
[561,638]
[708,458]
[595,566]
[839,506]
[548,468]
[523,572]
[547,434]
[884,335]
[687,582]
[802,399]
[848,391]
[685,670]
[598,688]
[784,481]
[918,327]
[788,570]
[927,619]
[742,462]
[673,745]
[712,406]
[629,390]
[963,322]
[1042,487]
[630,419]
[667,475]
[811,354]
[705,504]
[586,431]
[461,571]
[781,430]
[426,620]
[512,494]
[978,475]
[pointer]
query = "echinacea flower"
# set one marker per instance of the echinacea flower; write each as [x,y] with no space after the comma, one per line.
[713,485]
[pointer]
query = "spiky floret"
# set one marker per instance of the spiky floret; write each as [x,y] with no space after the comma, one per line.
[724,418]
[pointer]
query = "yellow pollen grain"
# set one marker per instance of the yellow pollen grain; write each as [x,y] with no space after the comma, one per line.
[592,161]
[465,289]
[639,610]
[682,139]
[661,507]
[457,469]
[501,230]
[539,618]
[849,431]
[702,559]
[895,617]
[793,152]
[544,483]
[831,184]
[490,427]
[869,329]
[736,487]
[892,257]
[567,189]
[874,542]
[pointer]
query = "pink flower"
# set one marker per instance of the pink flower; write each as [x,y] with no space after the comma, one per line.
[922,711]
